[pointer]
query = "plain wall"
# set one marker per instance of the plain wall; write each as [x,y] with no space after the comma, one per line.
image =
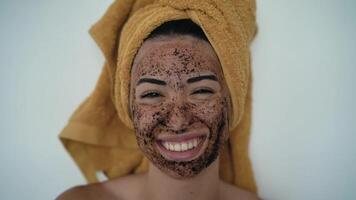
[303,134]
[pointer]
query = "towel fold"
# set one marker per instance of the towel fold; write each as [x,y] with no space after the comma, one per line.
[100,136]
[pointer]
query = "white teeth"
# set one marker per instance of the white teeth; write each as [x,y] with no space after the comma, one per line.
[166,145]
[176,147]
[184,146]
[181,146]
[190,145]
[171,147]
[195,142]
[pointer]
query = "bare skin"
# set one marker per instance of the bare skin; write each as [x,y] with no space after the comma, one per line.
[177,92]
[156,185]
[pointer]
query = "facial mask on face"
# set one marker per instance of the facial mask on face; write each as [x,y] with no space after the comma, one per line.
[179,104]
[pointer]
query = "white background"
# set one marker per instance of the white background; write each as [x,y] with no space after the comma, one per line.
[304,123]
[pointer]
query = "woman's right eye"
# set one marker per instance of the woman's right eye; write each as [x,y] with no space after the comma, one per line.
[151,95]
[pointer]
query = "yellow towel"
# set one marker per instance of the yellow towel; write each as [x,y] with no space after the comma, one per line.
[100,136]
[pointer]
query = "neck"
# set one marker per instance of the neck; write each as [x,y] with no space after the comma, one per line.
[202,186]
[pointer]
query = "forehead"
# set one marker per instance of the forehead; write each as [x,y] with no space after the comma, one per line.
[181,55]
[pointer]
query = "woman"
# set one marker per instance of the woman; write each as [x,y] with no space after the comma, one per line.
[181,110]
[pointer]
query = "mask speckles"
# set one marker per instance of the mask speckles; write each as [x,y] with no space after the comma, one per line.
[174,60]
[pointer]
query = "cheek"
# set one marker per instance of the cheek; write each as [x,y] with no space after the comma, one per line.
[210,111]
[145,117]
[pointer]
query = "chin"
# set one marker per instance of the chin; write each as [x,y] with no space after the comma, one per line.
[190,163]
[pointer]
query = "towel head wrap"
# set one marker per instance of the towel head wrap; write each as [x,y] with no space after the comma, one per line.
[100,136]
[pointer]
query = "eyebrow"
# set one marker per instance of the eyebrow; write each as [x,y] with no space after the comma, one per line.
[151,80]
[200,78]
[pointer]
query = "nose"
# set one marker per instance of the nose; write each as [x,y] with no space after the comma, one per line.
[178,118]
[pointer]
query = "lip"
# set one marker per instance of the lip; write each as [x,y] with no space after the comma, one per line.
[182,155]
[180,138]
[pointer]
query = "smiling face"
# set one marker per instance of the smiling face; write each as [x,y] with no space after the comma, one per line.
[179,104]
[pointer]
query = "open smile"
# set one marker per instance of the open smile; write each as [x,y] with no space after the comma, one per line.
[183,147]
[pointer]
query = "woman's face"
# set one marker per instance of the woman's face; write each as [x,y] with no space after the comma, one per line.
[179,104]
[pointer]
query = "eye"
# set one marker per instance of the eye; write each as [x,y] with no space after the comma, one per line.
[203,91]
[150,95]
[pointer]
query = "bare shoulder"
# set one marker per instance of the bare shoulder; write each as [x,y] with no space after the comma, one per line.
[78,192]
[232,192]
[127,187]
[120,188]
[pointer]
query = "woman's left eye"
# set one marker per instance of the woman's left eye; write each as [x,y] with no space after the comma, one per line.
[203,91]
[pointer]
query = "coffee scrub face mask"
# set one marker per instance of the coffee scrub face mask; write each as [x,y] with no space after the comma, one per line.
[179,104]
